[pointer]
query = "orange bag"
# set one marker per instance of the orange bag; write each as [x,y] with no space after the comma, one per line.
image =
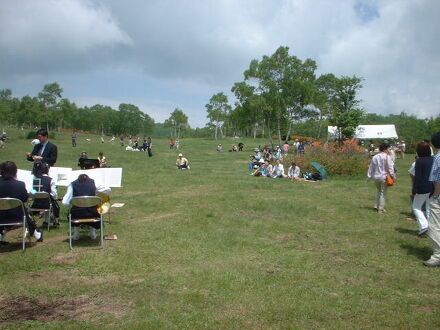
[390,181]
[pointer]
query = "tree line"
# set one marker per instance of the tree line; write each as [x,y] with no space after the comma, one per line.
[49,109]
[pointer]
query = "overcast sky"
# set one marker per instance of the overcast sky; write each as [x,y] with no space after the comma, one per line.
[163,54]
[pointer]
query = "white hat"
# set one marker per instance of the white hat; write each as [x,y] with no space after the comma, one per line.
[180,155]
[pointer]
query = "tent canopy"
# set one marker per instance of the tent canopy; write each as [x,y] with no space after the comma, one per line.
[369,132]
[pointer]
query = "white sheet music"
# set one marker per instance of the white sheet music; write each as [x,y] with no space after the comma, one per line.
[60,175]
[26,177]
[109,177]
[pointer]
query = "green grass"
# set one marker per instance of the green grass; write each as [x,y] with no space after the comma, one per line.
[216,248]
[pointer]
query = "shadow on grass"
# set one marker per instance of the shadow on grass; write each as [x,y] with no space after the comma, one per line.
[406,231]
[421,253]
[14,246]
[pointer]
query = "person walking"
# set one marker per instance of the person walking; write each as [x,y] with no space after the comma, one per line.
[434,205]
[381,165]
[422,187]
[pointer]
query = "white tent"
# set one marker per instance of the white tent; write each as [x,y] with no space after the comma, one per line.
[369,132]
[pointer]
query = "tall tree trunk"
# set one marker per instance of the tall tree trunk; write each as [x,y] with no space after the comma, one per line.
[255,130]
[320,126]
[279,130]
[215,134]
[288,132]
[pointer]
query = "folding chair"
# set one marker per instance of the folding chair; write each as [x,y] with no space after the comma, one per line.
[48,213]
[12,203]
[86,201]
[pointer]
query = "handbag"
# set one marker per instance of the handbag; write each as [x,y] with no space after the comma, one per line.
[390,181]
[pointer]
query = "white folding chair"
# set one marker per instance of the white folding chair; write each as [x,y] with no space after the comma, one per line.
[86,201]
[9,204]
[48,213]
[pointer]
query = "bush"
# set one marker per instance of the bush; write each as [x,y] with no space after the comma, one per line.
[345,159]
[33,134]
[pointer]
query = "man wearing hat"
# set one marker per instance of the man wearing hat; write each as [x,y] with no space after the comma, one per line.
[182,162]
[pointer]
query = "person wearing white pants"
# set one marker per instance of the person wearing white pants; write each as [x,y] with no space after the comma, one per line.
[434,214]
[422,187]
[381,165]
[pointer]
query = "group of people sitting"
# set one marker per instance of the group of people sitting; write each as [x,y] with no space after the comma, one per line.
[266,169]
[85,163]
[12,188]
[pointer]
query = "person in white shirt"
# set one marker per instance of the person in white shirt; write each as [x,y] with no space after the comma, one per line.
[293,172]
[278,170]
[381,165]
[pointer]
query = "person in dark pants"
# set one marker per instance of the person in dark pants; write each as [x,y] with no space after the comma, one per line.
[43,182]
[149,146]
[11,187]
[45,150]
[84,186]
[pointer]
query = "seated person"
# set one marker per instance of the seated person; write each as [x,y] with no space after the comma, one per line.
[234,148]
[182,162]
[43,182]
[256,160]
[81,158]
[264,170]
[102,159]
[219,148]
[11,187]
[84,186]
[240,146]
[294,172]
[278,170]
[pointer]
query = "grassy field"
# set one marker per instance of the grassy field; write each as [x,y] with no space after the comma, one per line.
[214,247]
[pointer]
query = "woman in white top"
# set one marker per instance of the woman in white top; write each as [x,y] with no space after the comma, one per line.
[381,165]
[293,172]
[278,170]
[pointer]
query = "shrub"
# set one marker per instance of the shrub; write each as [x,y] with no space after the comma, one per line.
[345,159]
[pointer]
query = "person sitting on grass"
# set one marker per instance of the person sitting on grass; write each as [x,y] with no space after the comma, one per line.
[82,158]
[264,170]
[182,163]
[256,160]
[102,160]
[44,183]
[12,188]
[278,170]
[84,186]
[293,172]
[219,148]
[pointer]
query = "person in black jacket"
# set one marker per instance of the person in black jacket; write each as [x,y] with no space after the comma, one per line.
[44,183]
[422,187]
[11,187]
[84,186]
[45,150]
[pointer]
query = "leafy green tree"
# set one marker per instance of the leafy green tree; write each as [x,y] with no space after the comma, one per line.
[28,112]
[49,98]
[177,122]
[345,112]
[218,111]
[286,84]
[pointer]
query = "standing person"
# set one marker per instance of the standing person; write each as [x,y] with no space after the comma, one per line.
[422,187]
[149,146]
[122,140]
[12,188]
[286,148]
[45,151]
[171,143]
[177,144]
[74,136]
[381,165]
[102,138]
[434,205]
